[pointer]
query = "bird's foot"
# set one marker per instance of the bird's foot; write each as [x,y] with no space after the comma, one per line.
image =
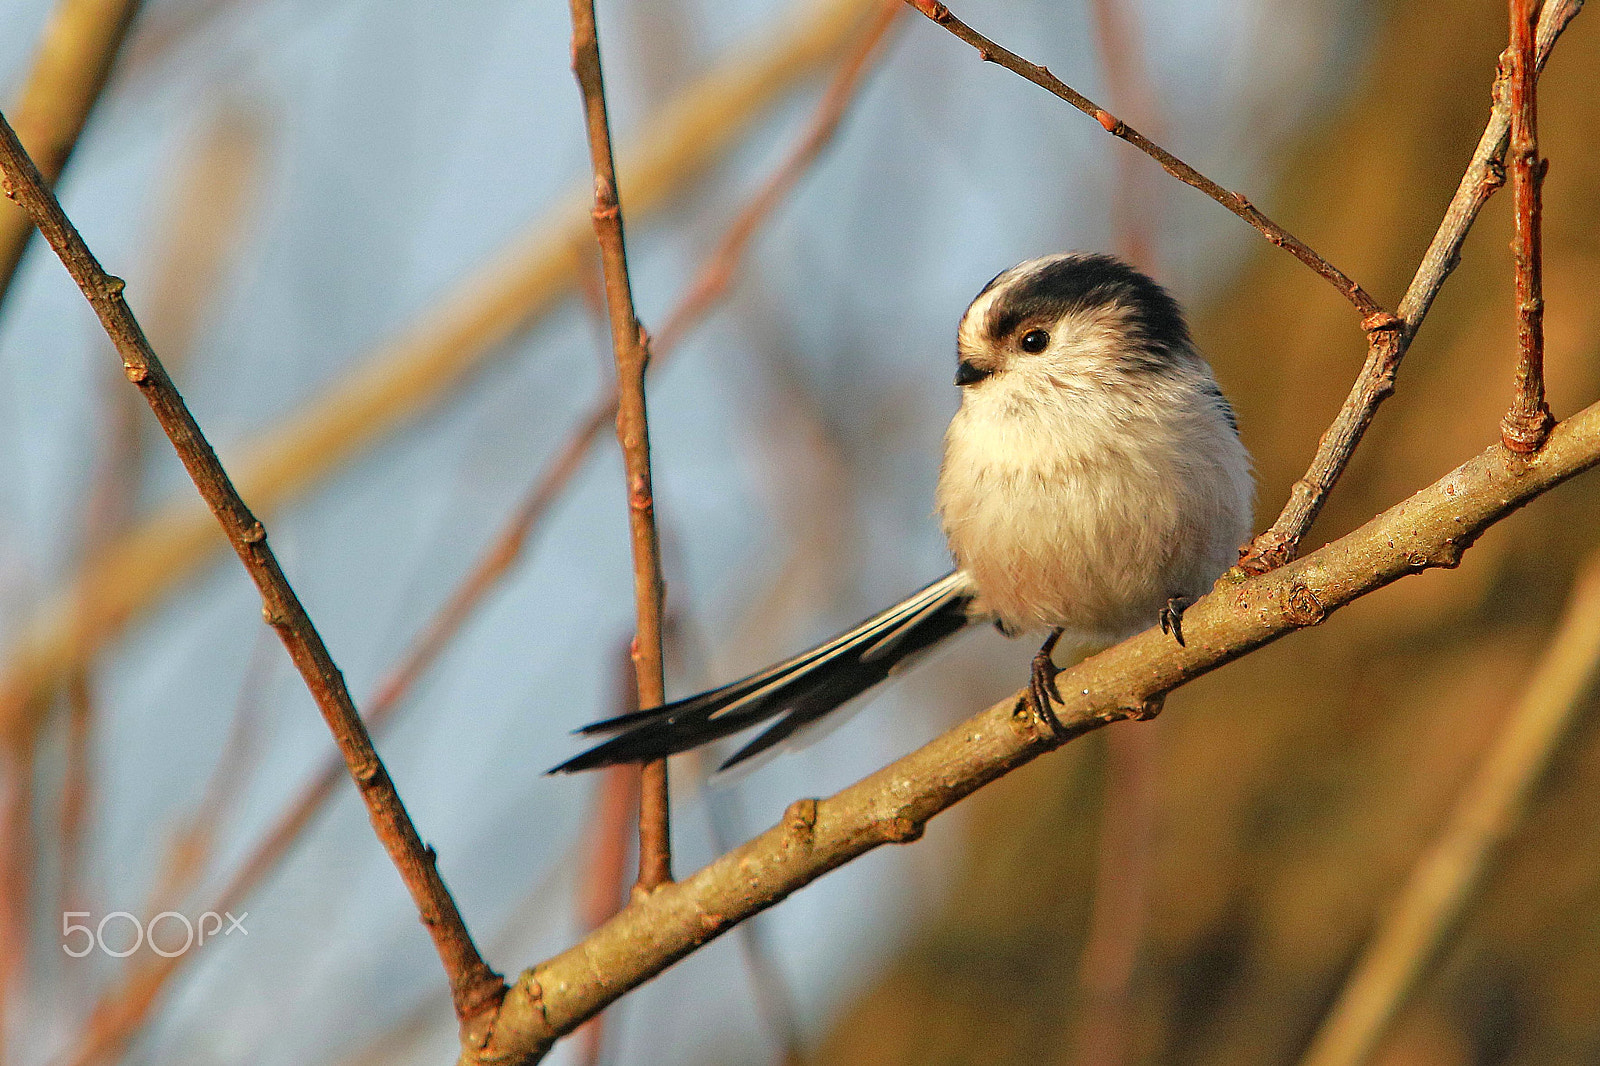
[1172,617]
[1042,691]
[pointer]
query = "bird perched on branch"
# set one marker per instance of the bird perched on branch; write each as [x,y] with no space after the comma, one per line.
[1093,484]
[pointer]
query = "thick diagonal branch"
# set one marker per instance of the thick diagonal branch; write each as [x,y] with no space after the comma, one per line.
[475,988]
[1430,529]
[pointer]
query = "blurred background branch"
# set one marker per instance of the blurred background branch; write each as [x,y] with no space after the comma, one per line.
[70,69]
[1449,878]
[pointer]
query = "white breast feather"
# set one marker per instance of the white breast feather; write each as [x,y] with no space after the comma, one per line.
[1074,506]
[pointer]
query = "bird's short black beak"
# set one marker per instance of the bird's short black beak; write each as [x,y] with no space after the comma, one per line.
[970,373]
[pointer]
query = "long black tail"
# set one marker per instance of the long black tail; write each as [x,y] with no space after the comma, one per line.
[801,689]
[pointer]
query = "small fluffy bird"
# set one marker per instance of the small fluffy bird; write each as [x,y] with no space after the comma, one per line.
[1093,485]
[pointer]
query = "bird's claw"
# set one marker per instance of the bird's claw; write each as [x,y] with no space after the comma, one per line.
[1042,690]
[1172,617]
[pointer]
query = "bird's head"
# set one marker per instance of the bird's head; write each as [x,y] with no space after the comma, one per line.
[1065,319]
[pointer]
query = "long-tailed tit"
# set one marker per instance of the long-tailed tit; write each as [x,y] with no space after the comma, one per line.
[1093,484]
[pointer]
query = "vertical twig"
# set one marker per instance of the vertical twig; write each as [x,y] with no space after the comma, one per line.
[1121,885]
[1528,423]
[1121,53]
[475,988]
[1490,810]
[631,345]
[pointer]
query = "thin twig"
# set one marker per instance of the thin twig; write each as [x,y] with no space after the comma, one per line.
[1430,529]
[475,988]
[631,346]
[423,363]
[70,69]
[1450,877]
[1528,422]
[1373,315]
[1387,348]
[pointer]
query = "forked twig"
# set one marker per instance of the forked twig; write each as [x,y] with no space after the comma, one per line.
[1528,422]
[475,988]
[1386,349]
[631,346]
[1388,335]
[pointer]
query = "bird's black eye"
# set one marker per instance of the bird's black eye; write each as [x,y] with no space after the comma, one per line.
[1035,340]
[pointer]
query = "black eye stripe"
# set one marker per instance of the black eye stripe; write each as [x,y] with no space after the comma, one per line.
[1035,340]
